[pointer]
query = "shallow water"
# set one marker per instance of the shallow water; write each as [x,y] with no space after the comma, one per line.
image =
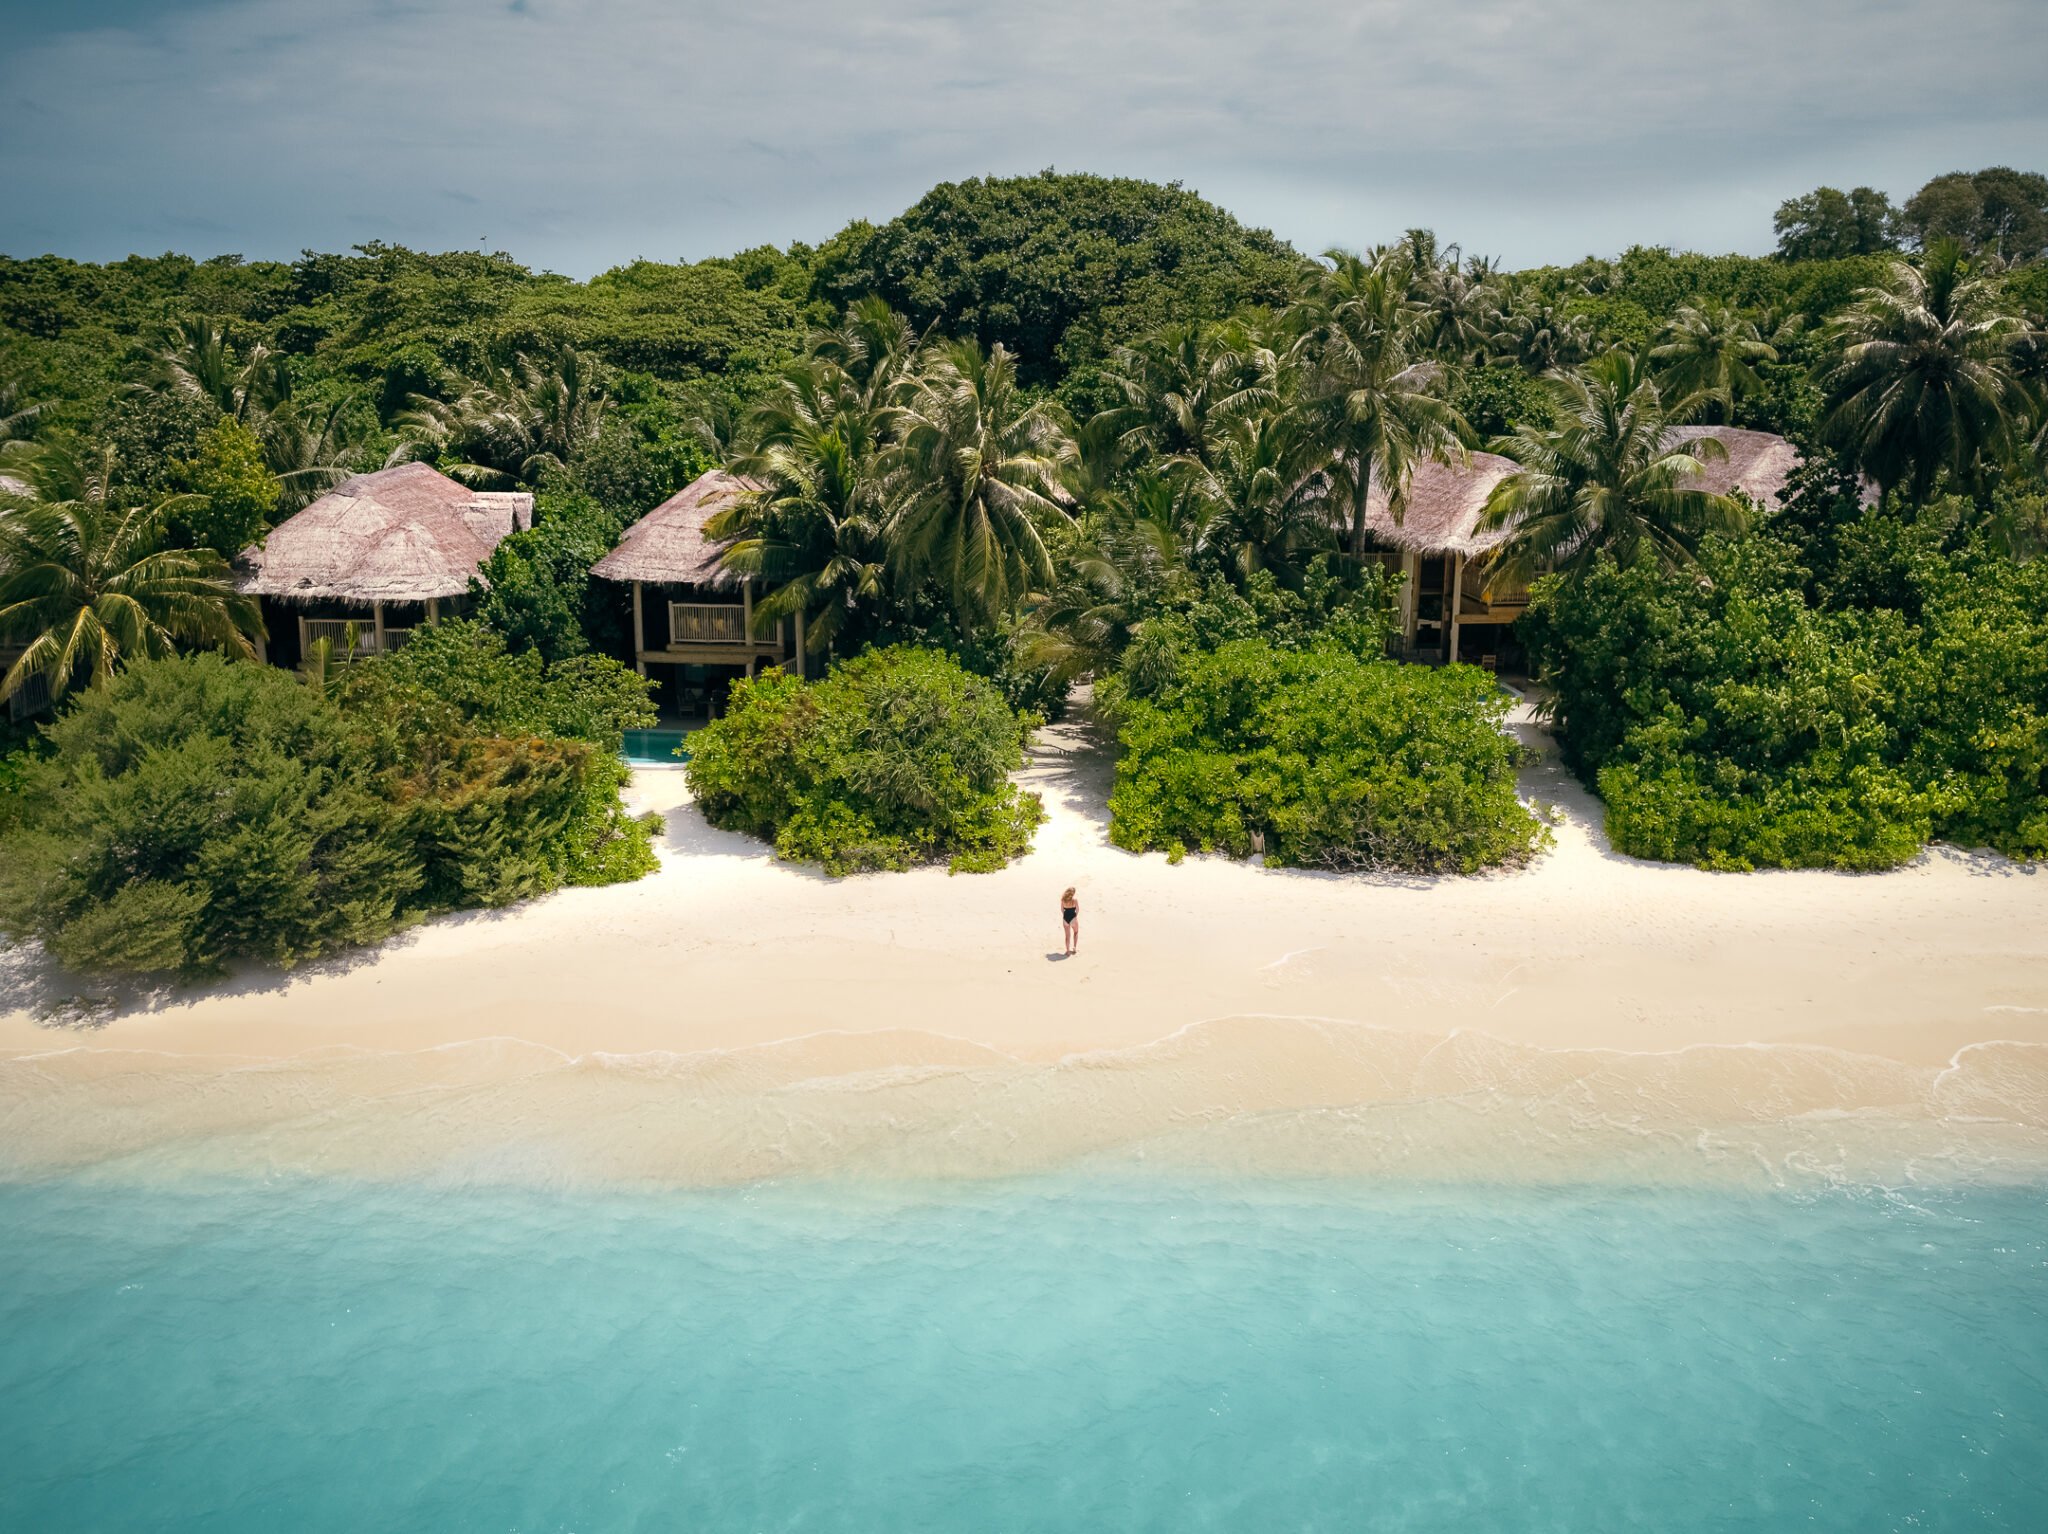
[1134,1351]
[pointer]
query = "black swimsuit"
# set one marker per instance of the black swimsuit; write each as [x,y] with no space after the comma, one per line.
[1069,912]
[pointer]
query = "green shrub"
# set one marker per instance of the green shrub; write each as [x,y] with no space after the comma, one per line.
[467,667]
[898,757]
[1828,694]
[197,812]
[535,589]
[1323,759]
[237,493]
[508,766]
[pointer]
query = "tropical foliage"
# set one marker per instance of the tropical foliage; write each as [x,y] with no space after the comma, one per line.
[1319,758]
[1606,482]
[898,757]
[1832,694]
[1057,269]
[973,478]
[1053,428]
[194,813]
[1925,377]
[86,584]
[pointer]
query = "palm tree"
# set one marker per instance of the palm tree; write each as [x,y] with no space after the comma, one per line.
[1375,401]
[1456,310]
[975,467]
[86,584]
[1271,495]
[304,446]
[1606,479]
[308,448]
[816,528]
[198,358]
[1923,377]
[1185,383]
[17,414]
[1132,547]
[1541,336]
[1707,355]
[520,421]
[874,350]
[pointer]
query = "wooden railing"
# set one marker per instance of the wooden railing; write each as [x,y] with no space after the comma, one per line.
[31,697]
[336,632]
[707,623]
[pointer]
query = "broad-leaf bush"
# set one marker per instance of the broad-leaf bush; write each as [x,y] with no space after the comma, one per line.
[194,812]
[1323,759]
[1827,696]
[898,757]
[509,764]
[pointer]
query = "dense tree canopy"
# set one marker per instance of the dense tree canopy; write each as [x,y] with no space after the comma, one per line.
[1050,427]
[2000,212]
[1828,223]
[1058,267]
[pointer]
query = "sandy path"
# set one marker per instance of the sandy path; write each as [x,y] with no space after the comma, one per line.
[724,947]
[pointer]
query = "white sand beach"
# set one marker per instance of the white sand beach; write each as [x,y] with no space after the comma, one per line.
[1587,971]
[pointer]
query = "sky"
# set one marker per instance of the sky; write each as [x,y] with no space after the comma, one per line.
[581,134]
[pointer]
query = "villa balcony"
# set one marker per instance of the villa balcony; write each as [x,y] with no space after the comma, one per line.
[706,623]
[352,638]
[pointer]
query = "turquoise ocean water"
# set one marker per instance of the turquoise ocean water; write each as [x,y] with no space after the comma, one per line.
[1063,1354]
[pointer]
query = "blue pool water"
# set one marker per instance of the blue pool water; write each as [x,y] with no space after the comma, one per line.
[654,748]
[1053,1355]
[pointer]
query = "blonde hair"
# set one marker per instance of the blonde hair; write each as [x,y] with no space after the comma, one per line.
[1067,893]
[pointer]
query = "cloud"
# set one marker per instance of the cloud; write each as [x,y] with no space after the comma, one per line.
[587,133]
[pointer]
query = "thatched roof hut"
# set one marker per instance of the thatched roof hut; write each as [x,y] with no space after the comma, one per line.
[1447,501]
[668,546]
[1758,467]
[403,534]
[1444,504]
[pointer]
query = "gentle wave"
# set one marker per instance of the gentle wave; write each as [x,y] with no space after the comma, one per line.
[1245,1094]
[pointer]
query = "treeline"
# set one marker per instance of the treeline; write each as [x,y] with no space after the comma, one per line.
[1062,427]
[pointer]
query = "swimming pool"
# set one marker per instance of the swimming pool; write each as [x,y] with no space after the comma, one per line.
[655,748]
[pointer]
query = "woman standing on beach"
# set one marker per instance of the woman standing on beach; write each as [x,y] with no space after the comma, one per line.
[1070,918]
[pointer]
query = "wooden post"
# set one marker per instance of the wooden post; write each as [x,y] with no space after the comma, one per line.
[1411,573]
[747,607]
[377,619]
[433,609]
[1457,601]
[800,652]
[639,633]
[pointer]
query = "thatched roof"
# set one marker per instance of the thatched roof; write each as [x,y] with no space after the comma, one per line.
[1444,504]
[402,534]
[1757,466]
[1446,501]
[668,546]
